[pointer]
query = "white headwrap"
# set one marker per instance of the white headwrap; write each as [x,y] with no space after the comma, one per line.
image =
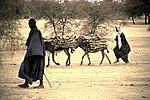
[118,34]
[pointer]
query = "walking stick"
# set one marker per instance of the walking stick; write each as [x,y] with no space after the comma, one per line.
[48,81]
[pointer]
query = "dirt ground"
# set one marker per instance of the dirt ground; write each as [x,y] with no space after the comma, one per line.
[96,82]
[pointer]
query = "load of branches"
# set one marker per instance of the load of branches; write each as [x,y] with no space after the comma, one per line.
[94,42]
[62,41]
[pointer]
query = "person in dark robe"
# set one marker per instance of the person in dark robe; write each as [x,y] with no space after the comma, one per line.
[32,67]
[122,47]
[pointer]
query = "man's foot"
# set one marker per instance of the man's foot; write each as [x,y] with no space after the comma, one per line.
[23,85]
[116,61]
[40,86]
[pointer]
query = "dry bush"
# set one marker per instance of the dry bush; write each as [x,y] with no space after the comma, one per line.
[9,35]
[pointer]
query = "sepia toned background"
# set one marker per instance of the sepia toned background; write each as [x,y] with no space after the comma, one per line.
[95,82]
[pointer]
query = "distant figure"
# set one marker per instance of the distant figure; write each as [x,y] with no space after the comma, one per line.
[32,67]
[122,48]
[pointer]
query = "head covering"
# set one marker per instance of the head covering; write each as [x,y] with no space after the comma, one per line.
[119,31]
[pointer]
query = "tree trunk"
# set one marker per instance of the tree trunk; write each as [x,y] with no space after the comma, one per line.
[145,17]
[149,19]
[133,19]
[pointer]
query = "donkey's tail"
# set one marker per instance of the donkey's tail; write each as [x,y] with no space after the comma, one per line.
[72,50]
[107,50]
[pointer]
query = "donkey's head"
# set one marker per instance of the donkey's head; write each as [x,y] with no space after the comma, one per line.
[48,46]
[82,42]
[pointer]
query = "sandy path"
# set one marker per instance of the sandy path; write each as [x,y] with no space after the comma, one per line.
[95,82]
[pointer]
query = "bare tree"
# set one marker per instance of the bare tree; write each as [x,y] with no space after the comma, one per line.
[58,14]
[95,13]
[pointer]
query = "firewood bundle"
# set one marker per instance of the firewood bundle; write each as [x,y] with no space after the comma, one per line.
[64,41]
[98,44]
[94,42]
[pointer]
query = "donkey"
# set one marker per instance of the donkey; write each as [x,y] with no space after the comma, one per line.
[51,48]
[86,48]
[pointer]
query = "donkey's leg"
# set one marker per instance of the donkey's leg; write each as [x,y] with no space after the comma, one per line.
[107,57]
[68,54]
[54,57]
[102,52]
[48,58]
[48,61]
[83,58]
[89,59]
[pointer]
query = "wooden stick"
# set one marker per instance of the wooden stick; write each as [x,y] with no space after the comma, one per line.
[48,81]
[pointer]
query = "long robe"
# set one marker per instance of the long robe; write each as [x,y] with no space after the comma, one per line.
[32,67]
[124,50]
